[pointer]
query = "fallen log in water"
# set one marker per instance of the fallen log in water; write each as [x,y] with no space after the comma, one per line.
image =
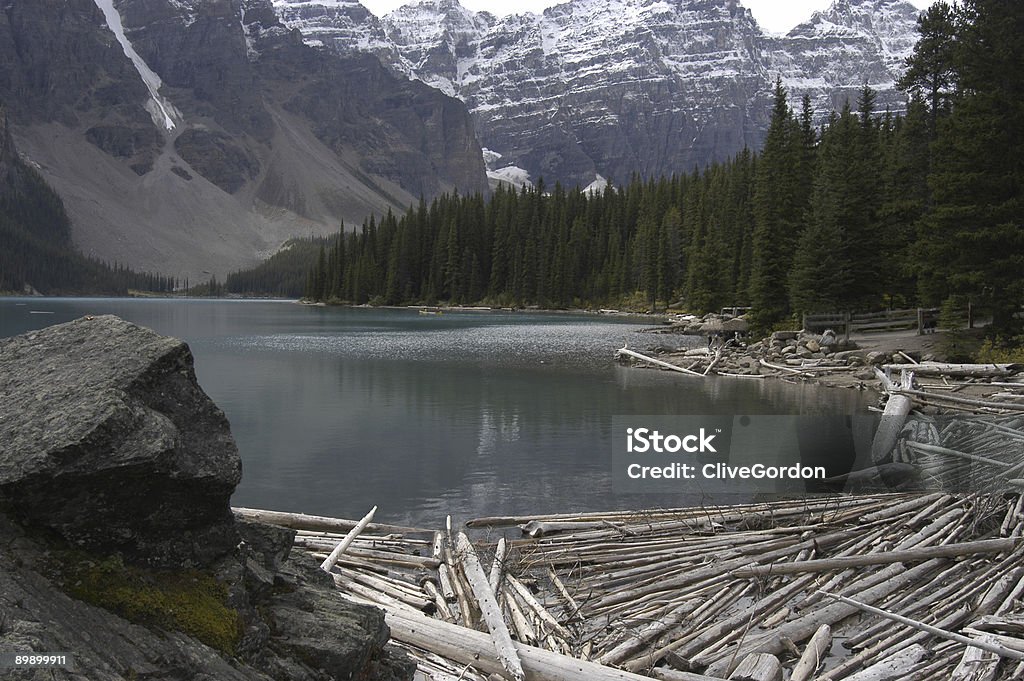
[897,408]
[957,370]
[955,400]
[813,655]
[657,362]
[301,521]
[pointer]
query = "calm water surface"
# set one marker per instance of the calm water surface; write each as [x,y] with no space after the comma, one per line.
[472,413]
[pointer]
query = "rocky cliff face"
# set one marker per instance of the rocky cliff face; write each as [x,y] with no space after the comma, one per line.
[119,544]
[612,87]
[192,136]
[852,44]
[56,67]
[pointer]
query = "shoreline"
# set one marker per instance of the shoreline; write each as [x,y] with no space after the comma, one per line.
[794,357]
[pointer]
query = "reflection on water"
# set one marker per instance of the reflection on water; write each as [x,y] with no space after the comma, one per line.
[336,410]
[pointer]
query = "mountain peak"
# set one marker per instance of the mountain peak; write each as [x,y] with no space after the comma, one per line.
[622,86]
[863,13]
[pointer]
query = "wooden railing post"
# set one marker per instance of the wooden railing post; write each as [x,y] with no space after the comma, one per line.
[848,320]
[920,322]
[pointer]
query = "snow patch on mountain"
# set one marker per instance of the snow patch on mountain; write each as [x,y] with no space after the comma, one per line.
[596,187]
[510,175]
[490,158]
[851,44]
[159,107]
[343,25]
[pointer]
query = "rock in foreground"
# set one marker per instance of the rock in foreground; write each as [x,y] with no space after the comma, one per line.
[106,438]
[119,545]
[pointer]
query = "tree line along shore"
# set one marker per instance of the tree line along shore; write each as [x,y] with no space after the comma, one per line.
[871,210]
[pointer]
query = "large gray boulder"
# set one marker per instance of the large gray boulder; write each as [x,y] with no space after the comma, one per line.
[107,439]
[119,544]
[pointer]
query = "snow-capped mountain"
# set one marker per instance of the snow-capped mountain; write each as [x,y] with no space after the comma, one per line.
[834,54]
[613,87]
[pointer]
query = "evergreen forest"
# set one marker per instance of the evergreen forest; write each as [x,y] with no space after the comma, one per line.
[866,211]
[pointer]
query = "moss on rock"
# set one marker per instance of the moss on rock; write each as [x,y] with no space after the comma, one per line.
[189,601]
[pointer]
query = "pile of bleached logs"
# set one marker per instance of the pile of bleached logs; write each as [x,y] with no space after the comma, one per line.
[795,356]
[960,388]
[878,587]
[440,604]
[890,586]
[961,447]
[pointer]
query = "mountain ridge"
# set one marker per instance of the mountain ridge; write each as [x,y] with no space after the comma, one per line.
[612,87]
[267,139]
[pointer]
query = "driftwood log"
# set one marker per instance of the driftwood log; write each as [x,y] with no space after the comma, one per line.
[347,541]
[489,609]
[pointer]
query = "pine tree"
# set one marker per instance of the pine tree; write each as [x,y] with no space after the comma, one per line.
[973,238]
[931,70]
[780,200]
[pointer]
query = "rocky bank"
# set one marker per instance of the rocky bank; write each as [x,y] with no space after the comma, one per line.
[119,545]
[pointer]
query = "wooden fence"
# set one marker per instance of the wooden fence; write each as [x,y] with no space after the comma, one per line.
[922,319]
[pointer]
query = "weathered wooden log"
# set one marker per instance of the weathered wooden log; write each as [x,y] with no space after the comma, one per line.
[935,631]
[489,608]
[406,559]
[635,642]
[957,370]
[896,637]
[301,521]
[1000,592]
[886,581]
[370,594]
[716,570]
[497,567]
[889,557]
[893,416]
[525,632]
[679,517]
[813,655]
[573,606]
[543,528]
[443,609]
[711,365]
[656,362]
[977,664]
[1011,642]
[417,600]
[542,613]
[789,370]
[475,648]
[347,541]
[668,674]
[445,580]
[758,667]
[896,666]
[936,449]
[953,399]
[694,643]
